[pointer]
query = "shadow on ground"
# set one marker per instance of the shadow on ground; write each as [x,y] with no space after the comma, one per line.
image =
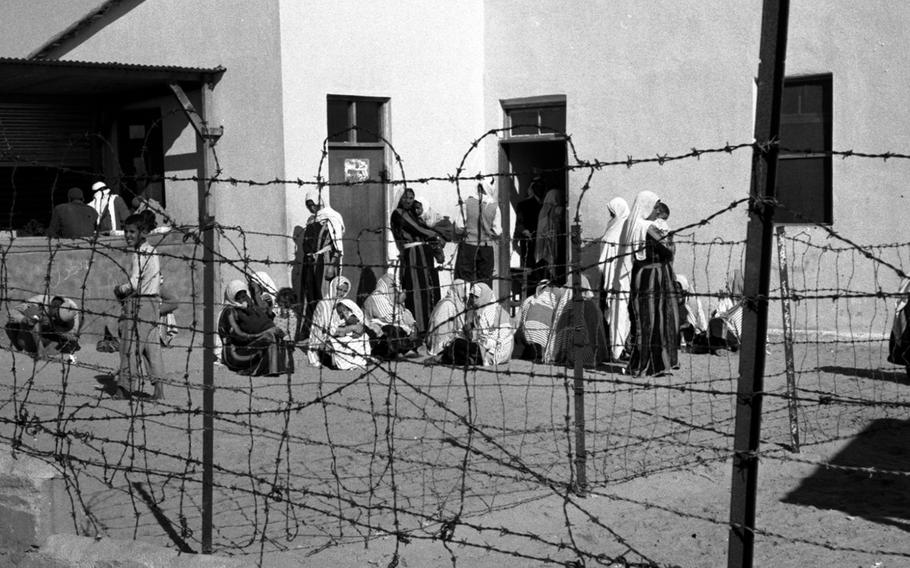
[876,483]
[896,376]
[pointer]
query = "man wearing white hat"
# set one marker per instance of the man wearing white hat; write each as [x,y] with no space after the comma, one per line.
[111,208]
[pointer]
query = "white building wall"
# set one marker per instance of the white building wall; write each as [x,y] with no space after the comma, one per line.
[668,77]
[242,36]
[427,58]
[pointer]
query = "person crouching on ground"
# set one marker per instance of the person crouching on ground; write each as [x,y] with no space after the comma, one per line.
[141,303]
[43,323]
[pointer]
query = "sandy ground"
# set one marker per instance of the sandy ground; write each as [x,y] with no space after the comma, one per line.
[443,466]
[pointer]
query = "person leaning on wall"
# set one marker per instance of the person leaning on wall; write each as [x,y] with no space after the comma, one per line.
[74,219]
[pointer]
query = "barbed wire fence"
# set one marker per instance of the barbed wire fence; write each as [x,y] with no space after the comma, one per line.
[412,452]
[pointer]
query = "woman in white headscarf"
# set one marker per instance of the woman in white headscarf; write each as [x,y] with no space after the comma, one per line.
[593,347]
[653,301]
[491,329]
[392,327]
[252,345]
[321,250]
[263,290]
[447,320]
[347,344]
[617,278]
[323,317]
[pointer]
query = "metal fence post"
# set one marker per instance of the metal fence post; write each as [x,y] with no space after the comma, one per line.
[772,54]
[578,341]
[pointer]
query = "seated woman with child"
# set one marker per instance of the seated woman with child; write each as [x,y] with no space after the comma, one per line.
[252,344]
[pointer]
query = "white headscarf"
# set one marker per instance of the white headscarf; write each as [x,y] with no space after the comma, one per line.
[103,203]
[325,213]
[609,260]
[636,228]
[233,288]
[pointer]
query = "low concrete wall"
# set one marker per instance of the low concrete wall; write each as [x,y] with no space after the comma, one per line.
[68,551]
[36,514]
[33,505]
[87,272]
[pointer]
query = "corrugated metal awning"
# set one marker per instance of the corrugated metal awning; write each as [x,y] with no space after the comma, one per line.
[27,77]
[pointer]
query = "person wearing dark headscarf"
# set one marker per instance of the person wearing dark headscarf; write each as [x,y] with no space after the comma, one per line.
[416,241]
[74,219]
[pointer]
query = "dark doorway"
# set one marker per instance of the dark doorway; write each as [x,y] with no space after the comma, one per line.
[362,206]
[534,168]
[141,152]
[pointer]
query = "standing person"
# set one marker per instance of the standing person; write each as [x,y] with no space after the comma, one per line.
[111,208]
[550,249]
[653,303]
[899,341]
[74,219]
[481,230]
[527,212]
[391,325]
[43,322]
[416,242]
[617,278]
[322,253]
[141,310]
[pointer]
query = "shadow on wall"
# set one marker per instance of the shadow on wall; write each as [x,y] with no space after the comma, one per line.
[87,274]
[873,493]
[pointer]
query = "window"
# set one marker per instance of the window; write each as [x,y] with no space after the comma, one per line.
[355,120]
[804,166]
[534,116]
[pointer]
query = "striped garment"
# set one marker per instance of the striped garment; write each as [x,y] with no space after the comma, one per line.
[383,307]
[492,329]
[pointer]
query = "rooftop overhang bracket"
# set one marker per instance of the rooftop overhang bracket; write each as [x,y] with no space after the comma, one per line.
[208,133]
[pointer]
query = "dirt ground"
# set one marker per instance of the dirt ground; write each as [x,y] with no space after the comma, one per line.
[444,466]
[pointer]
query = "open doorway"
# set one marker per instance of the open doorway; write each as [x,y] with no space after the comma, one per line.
[536,189]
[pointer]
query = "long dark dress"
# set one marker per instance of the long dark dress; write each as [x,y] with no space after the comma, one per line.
[899,342]
[265,355]
[419,278]
[318,250]
[654,311]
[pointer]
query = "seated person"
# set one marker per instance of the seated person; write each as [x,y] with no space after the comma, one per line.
[44,324]
[593,349]
[347,344]
[447,320]
[537,319]
[324,317]
[691,313]
[489,332]
[392,327]
[286,311]
[725,323]
[252,345]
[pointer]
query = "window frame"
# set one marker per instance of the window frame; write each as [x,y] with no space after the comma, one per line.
[352,100]
[537,103]
[826,81]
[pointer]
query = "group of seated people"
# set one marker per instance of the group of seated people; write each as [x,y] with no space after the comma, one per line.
[468,326]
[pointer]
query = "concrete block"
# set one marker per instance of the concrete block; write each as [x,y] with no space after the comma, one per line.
[69,551]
